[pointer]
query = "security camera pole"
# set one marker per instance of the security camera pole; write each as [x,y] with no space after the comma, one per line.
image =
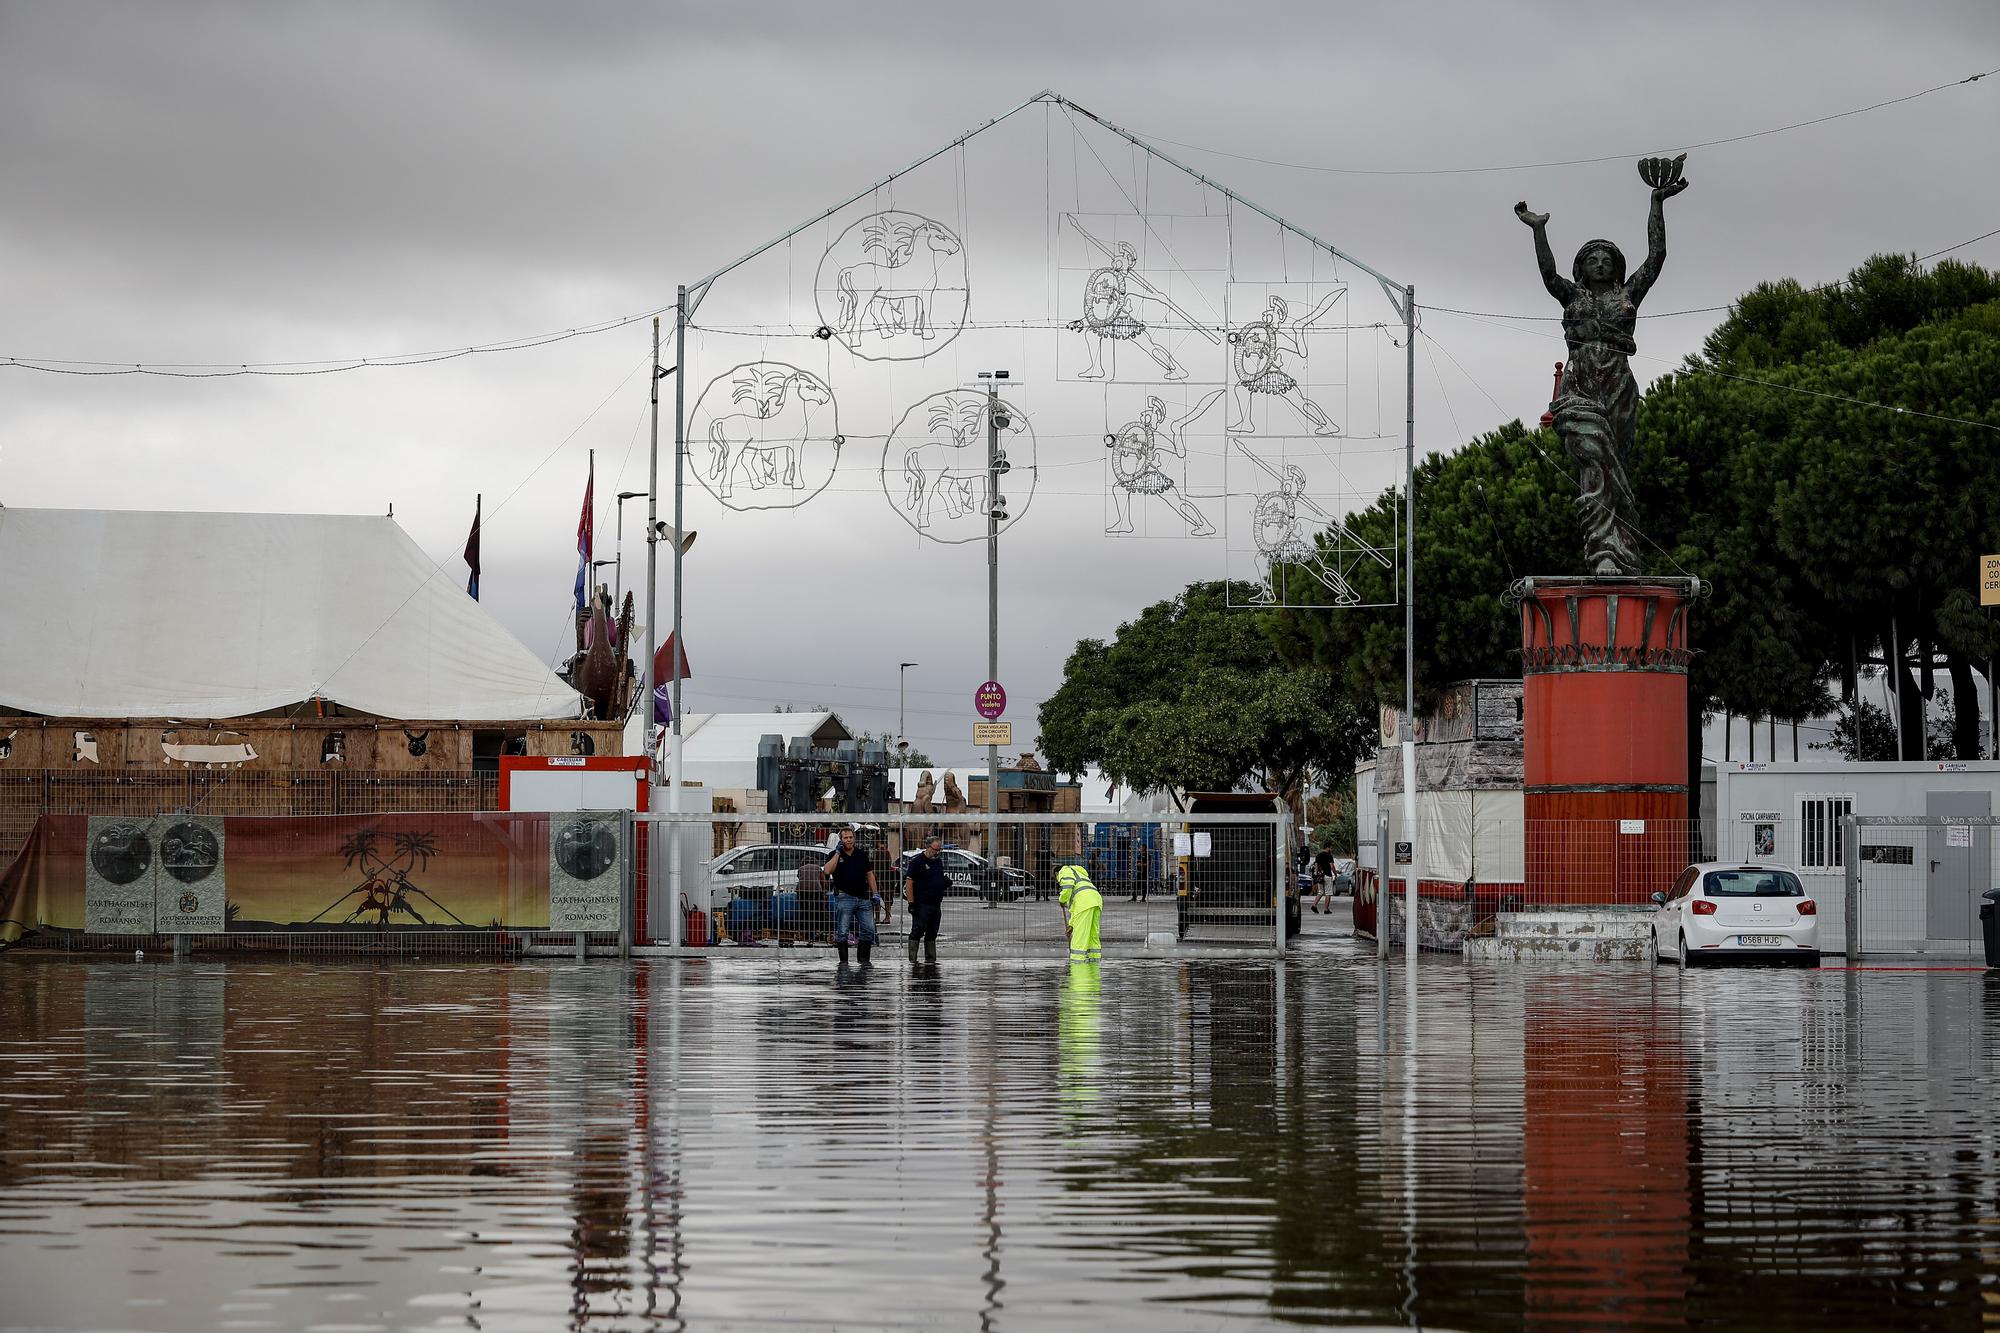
[996,512]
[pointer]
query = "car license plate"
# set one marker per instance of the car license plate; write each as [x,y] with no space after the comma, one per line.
[1762,941]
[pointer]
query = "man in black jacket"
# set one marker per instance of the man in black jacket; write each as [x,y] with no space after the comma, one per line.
[924,886]
[854,894]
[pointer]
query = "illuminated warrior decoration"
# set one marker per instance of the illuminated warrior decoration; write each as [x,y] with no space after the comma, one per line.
[1282,539]
[1112,301]
[1260,366]
[1135,464]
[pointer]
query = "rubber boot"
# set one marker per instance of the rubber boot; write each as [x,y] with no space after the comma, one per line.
[913,948]
[865,950]
[930,950]
[842,947]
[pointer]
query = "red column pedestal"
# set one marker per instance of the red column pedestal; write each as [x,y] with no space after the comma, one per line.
[1605,726]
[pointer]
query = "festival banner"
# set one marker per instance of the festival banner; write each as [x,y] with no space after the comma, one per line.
[182,874]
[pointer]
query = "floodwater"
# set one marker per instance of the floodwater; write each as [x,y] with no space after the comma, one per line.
[1146,1145]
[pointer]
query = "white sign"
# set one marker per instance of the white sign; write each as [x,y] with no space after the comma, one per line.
[1954,768]
[1203,844]
[1758,817]
[993,733]
[1958,835]
[1631,826]
[1751,768]
[1183,844]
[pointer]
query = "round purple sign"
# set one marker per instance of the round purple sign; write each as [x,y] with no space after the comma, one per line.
[990,699]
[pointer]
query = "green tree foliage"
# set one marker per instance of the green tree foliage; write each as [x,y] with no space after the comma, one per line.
[1193,695]
[1499,509]
[1819,519]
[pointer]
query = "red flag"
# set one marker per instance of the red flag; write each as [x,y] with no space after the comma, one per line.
[663,662]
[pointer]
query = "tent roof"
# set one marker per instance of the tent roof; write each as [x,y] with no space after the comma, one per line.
[732,738]
[112,613]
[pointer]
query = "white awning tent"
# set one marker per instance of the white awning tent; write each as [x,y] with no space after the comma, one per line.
[112,614]
[719,750]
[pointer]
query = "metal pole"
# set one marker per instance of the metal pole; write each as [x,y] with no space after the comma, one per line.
[1894,658]
[618,552]
[680,526]
[1409,734]
[653,623]
[993,622]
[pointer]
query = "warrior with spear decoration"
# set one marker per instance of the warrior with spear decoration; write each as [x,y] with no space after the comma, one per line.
[1135,464]
[1282,540]
[1108,315]
[1260,366]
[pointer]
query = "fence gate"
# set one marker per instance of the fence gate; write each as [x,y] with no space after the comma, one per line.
[750,882]
[1914,881]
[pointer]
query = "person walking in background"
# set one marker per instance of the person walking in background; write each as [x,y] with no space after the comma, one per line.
[925,883]
[1323,880]
[1082,907]
[854,894]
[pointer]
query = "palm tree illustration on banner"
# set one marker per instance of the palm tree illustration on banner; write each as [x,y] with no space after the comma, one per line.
[386,885]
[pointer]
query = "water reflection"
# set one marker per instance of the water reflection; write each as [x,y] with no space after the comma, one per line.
[1013,1145]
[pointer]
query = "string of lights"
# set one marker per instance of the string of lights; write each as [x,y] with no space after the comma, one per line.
[1579,161]
[202,370]
[1706,309]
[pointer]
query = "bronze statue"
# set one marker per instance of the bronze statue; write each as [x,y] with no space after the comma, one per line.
[954,797]
[1597,409]
[926,792]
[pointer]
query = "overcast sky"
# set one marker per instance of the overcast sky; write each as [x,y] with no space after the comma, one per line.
[213,183]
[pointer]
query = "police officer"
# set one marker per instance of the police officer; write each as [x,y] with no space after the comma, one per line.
[924,885]
[1082,905]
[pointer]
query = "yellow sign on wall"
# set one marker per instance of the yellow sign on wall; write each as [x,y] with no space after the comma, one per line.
[1989,580]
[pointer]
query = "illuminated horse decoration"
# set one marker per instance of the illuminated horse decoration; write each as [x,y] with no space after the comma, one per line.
[907,282]
[767,441]
[952,470]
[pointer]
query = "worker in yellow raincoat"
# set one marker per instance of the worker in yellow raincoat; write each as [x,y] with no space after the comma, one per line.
[1082,905]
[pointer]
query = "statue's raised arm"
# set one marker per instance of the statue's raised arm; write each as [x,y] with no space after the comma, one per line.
[1559,287]
[1664,175]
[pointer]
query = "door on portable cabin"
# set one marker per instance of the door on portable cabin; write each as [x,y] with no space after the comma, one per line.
[1960,863]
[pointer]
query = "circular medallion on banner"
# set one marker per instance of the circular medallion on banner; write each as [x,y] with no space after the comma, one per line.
[189,852]
[934,466]
[121,852]
[586,848]
[990,699]
[765,435]
[892,288]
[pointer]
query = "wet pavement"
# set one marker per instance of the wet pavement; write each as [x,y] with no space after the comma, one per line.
[757,1142]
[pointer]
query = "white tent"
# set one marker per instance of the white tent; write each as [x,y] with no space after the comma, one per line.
[720,749]
[107,613]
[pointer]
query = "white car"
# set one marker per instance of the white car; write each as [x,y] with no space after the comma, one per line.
[759,871]
[1718,911]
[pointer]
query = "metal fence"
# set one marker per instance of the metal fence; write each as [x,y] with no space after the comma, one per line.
[1912,883]
[1209,879]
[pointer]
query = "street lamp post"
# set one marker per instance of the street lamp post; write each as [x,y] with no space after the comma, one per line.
[902,740]
[618,571]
